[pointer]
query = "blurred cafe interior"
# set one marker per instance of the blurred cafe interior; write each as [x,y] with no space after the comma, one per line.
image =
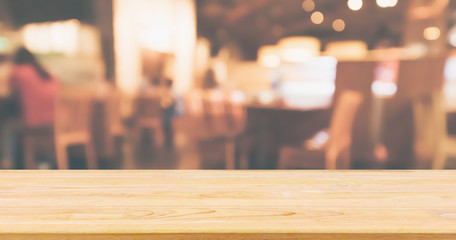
[227,84]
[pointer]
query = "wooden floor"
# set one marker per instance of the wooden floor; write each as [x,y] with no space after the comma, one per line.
[228,205]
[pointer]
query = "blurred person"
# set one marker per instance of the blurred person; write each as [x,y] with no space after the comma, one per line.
[210,81]
[36,91]
[168,105]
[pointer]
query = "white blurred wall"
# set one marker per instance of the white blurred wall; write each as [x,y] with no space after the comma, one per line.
[167,26]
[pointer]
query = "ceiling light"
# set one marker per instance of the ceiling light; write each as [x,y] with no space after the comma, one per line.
[317,17]
[355,5]
[338,25]
[308,5]
[431,33]
[386,3]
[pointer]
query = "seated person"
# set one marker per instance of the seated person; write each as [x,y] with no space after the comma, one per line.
[36,90]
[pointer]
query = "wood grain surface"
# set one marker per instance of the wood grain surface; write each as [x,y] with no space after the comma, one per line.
[227,205]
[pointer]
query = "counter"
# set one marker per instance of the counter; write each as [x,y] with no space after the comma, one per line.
[178,205]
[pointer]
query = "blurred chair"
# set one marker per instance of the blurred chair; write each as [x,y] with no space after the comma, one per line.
[212,137]
[353,80]
[114,120]
[73,127]
[433,145]
[148,114]
[340,130]
[215,120]
[235,116]
[235,112]
[300,158]
[37,140]
[214,109]
[196,115]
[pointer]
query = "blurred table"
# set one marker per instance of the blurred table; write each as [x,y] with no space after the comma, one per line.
[271,127]
[141,205]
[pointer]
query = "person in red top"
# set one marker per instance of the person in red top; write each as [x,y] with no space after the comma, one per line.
[36,90]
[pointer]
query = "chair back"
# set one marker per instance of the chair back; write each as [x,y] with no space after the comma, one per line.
[147,106]
[214,112]
[235,112]
[73,113]
[114,113]
[340,130]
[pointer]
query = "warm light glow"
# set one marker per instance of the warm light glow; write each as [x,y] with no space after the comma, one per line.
[449,87]
[157,40]
[299,49]
[450,70]
[386,3]
[318,141]
[431,33]
[310,84]
[163,26]
[269,56]
[308,94]
[317,17]
[237,96]
[309,88]
[347,50]
[308,5]
[385,78]
[220,70]
[452,37]
[266,97]
[338,25]
[55,37]
[384,89]
[202,56]
[4,44]
[355,5]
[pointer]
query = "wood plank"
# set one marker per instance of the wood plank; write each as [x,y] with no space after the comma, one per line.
[227,204]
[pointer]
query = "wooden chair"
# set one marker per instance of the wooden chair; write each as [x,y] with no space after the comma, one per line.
[422,81]
[235,116]
[114,119]
[235,112]
[73,127]
[300,158]
[340,130]
[353,80]
[195,114]
[214,112]
[148,114]
[433,145]
[37,140]
[336,151]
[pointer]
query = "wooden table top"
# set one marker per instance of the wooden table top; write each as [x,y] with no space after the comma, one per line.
[227,205]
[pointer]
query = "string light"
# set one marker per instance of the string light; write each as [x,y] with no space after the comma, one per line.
[317,17]
[355,5]
[431,33]
[308,5]
[338,25]
[386,3]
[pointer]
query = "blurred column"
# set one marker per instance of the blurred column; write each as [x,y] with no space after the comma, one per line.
[185,18]
[5,18]
[166,26]
[104,22]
